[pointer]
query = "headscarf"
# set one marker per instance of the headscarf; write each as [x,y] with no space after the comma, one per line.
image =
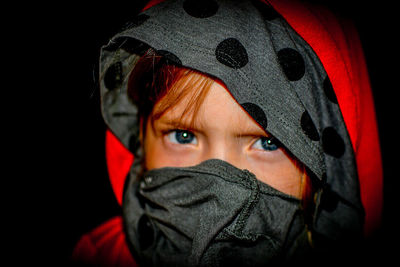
[272,73]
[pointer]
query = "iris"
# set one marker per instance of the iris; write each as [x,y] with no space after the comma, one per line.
[267,143]
[182,137]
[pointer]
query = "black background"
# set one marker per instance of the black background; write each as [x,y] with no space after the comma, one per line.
[62,189]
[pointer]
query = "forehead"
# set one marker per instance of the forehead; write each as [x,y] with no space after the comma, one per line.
[215,109]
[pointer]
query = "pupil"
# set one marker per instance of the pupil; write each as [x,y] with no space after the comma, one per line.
[269,144]
[184,137]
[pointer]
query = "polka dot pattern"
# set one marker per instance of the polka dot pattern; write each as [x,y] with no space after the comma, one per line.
[113,77]
[200,9]
[308,127]
[264,66]
[329,200]
[332,143]
[130,45]
[266,10]
[170,57]
[232,53]
[256,113]
[292,63]
[328,90]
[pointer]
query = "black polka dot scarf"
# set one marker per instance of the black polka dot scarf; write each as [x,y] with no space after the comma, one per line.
[268,68]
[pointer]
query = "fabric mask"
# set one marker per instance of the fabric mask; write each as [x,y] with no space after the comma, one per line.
[211,214]
[276,77]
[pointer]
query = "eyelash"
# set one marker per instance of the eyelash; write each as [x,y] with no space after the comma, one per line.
[184,137]
[267,144]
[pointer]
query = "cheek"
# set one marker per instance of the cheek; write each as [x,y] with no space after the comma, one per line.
[158,153]
[280,173]
[155,154]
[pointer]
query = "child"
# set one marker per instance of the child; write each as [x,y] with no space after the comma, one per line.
[245,142]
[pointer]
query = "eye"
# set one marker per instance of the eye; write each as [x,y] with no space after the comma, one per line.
[182,137]
[267,143]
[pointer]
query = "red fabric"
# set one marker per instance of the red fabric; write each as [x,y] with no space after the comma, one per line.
[152,3]
[104,246]
[337,45]
[119,160]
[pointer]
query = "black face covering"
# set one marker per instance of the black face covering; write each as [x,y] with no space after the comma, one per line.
[211,214]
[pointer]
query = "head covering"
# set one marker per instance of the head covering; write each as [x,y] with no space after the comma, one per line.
[270,71]
[340,53]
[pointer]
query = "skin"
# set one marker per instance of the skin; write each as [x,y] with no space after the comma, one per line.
[230,136]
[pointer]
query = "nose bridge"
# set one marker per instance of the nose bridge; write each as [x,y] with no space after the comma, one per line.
[221,149]
[217,151]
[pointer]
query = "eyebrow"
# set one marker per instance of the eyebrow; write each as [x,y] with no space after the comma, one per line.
[250,130]
[177,122]
[242,130]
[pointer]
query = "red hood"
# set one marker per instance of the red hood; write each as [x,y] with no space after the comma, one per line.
[338,47]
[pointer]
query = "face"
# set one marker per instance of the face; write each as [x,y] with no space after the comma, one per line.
[221,130]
